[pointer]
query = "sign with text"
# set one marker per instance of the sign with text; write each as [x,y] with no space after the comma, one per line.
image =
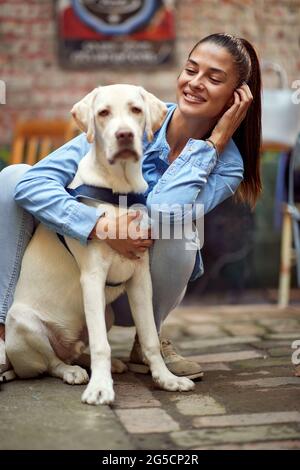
[115,32]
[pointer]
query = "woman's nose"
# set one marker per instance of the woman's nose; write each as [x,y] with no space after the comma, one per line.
[197,83]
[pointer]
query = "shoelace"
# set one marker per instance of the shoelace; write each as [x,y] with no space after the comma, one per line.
[168,347]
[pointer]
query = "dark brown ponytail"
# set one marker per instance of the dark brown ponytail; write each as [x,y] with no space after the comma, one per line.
[248,136]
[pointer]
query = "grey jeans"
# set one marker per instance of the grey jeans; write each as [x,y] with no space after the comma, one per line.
[171,264]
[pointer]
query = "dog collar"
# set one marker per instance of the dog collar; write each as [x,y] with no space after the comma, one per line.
[107,195]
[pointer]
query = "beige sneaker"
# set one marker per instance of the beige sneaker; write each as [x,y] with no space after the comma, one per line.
[176,364]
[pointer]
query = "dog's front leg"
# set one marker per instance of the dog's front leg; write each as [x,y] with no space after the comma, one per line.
[139,291]
[100,388]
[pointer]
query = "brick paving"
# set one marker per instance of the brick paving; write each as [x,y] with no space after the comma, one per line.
[248,399]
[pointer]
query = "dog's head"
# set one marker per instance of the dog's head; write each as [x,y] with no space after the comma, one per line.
[116,116]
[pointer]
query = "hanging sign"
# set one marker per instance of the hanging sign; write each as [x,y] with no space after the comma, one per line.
[115,32]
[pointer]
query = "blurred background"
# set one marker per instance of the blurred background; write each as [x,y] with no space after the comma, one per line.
[53,52]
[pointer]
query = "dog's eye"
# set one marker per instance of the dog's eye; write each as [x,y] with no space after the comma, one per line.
[136,110]
[103,113]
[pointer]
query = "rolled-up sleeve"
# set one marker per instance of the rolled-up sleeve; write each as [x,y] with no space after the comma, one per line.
[195,178]
[42,192]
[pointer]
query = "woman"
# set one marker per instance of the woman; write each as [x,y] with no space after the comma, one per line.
[205,151]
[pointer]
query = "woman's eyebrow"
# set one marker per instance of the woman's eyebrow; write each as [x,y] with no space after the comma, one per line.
[212,69]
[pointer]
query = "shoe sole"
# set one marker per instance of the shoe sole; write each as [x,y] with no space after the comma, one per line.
[7,376]
[143,369]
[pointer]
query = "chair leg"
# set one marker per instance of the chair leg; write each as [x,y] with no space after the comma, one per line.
[285,264]
[296,239]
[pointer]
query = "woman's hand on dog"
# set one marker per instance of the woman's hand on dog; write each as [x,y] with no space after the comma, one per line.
[123,234]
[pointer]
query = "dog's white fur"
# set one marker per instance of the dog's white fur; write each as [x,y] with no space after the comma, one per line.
[58,294]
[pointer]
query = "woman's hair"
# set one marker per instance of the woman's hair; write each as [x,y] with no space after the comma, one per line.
[248,136]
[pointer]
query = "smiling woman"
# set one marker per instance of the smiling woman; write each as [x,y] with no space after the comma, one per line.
[205,150]
[221,79]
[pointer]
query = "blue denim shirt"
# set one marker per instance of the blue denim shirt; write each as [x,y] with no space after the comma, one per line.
[195,176]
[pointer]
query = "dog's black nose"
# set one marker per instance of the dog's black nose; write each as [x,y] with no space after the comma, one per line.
[124,137]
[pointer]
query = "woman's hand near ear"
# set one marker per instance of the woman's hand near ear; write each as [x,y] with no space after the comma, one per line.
[232,118]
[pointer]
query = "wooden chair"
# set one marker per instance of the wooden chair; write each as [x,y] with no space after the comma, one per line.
[290,241]
[35,139]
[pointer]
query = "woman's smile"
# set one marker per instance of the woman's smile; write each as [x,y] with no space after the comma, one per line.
[193,98]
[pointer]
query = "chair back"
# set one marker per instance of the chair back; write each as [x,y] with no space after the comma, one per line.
[294,174]
[35,139]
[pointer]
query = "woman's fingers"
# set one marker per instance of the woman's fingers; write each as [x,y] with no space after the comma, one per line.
[143,243]
[235,106]
[245,94]
[141,249]
[247,90]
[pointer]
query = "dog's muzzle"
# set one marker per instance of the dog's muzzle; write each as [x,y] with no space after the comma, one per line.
[125,145]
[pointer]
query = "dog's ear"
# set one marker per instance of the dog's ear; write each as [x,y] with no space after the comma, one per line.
[156,111]
[83,115]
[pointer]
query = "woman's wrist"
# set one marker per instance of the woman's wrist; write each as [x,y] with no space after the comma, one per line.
[217,142]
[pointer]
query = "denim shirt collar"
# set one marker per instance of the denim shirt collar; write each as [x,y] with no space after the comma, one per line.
[160,144]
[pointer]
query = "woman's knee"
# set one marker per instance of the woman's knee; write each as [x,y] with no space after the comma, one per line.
[174,253]
[9,178]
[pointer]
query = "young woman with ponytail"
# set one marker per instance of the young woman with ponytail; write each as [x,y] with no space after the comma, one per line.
[206,151]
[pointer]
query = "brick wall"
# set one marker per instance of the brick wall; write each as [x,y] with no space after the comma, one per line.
[38,87]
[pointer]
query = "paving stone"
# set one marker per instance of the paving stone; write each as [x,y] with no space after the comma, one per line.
[202,343]
[283,327]
[120,335]
[204,330]
[226,357]
[48,414]
[280,352]
[268,344]
[259,372]
[172,332]
[240,434]
[147,420]
[280,325]
[279,336]
[270,320]
[247,419]
[134,395]
[273,445]
[244,329]
[262,363]
[214,366]
[269,382]
[198,405]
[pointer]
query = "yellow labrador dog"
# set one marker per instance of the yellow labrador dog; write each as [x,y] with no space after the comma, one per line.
[61,291]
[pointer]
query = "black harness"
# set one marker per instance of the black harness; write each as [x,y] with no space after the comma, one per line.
[104,195]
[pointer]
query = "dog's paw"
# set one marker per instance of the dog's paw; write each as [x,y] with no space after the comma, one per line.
[117,366]
[75,375]
[98,395]
[173,383]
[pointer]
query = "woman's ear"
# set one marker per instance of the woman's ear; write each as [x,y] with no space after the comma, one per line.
[230,102]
